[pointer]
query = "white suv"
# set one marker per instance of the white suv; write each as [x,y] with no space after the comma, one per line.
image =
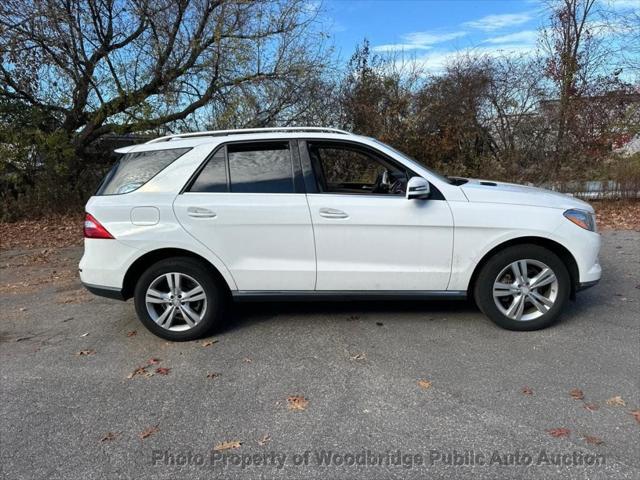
[185,223]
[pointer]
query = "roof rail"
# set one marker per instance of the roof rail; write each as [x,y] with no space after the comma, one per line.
[240,131]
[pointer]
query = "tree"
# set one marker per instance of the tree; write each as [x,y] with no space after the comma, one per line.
[377,96]
[519,133]
[570,48]
[449,118]
[623,20]
[102,66]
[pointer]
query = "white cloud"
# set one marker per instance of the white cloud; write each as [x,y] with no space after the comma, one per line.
[394,47]
[624,4]
[436,61]
[496,22]
[430,38]
[525,36]
[419,41]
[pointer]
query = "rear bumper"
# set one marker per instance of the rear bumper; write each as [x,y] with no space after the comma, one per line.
[102,291]
[105,262]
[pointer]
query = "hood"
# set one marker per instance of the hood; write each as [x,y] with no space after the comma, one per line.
[510,193]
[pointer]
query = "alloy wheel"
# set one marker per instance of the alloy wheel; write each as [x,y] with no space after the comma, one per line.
[525,290]
[176,301]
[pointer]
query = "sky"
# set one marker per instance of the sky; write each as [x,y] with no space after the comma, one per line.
[431,30]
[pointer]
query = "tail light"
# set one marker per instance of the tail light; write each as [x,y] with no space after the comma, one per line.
[93,228]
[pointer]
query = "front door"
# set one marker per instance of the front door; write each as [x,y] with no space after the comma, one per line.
[247,207]
[368,235]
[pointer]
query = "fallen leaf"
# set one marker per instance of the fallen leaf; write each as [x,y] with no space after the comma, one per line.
[109,436]
[153,361]
[576,394]
[220,447]
[163,370]
[296,402]
[526,391]
[616,401]
[636,414]
[208,343]
[85,352]
[132,333]
[264,440]
[424,384]
[591,440]
[559,432]
[148,432]
[359,356]
[591,407]
[213,375]
[247,360]
[138,371]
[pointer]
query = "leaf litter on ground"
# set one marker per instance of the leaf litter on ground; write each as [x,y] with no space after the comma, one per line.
[559,432]
[222,446]
[297,402]
[147,432]
[424,384]
[576,394]
[616,401]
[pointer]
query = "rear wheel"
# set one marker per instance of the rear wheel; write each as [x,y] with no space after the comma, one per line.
[178,299]
[523,287]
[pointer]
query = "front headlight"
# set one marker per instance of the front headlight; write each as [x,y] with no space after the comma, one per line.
[582,218]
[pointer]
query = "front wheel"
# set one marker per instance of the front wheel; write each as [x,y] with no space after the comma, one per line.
[178,299]
[524,287]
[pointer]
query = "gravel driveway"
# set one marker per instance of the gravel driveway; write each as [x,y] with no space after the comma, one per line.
[350,390]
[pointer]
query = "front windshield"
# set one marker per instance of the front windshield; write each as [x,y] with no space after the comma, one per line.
[406,157]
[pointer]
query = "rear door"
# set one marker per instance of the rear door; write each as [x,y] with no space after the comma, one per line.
[247,205]
[368,235]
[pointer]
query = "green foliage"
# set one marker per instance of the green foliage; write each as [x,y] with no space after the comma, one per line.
[37,168]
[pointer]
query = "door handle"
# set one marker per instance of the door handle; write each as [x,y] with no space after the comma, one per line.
[199,212]
[332,213]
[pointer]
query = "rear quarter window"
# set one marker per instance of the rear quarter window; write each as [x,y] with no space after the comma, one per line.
[135,169]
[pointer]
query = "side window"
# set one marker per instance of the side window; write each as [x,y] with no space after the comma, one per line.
[135,169]
[263,167]
[260,168]
[346,169]
[213,177]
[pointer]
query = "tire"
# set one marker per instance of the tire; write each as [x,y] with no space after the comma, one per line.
[193,316]
[498,288]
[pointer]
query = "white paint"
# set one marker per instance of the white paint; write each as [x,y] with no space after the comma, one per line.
[282,242]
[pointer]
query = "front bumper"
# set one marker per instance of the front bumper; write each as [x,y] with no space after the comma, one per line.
[585,285]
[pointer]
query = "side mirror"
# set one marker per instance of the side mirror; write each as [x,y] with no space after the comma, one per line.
[418,188]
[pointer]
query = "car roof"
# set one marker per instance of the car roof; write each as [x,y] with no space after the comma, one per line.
[190,140]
